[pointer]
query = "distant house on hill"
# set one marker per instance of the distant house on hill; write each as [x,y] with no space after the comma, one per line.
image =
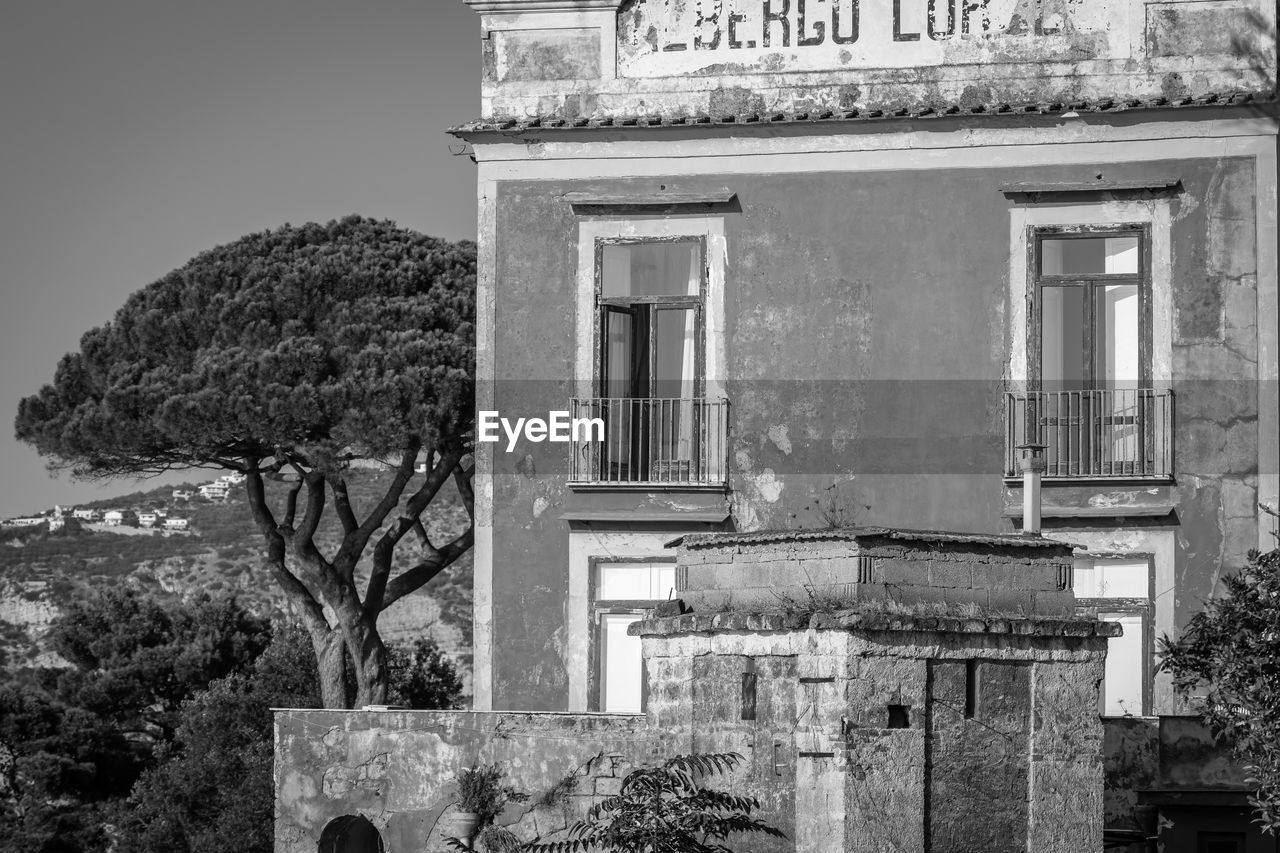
[28,521]
[56,523]
[118,517]
[215,491]
[176,524]
[86,514]
[235,478]
[146,519]
[182,494]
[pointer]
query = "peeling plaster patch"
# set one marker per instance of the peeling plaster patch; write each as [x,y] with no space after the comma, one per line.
[766,485]
[340,781]
[1108,499]
[540,506]
[778,435]
[526,466]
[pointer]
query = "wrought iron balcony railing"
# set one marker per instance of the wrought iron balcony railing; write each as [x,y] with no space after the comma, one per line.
[1115,434]
[650,441]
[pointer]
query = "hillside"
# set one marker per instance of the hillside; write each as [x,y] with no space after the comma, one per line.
[42,571]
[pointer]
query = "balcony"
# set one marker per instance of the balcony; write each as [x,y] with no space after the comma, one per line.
[653,442]
[1122,434]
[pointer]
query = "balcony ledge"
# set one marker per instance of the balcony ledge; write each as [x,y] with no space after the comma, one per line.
[1121,511]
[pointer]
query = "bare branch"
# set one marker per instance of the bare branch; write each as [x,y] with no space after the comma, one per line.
[305,534]
[463,478]
[410,520]
[291,505]
[294,589]
[258,505]
[416,577]
[353,544]
[342,503]
[420,529]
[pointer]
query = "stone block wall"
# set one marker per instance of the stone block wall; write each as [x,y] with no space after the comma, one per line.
[396,769]
[895,733]
[1017,575]
[860,732]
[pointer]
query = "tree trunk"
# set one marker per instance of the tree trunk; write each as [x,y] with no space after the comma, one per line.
[369,657]
[331,658]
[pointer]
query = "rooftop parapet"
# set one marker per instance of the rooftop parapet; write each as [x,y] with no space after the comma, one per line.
[561,60]
[1014,575]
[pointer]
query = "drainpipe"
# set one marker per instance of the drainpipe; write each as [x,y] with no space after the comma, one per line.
[1033,465]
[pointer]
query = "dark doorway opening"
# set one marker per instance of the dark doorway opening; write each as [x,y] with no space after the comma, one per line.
[350,834]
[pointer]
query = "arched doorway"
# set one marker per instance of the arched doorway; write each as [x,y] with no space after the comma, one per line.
[350,834]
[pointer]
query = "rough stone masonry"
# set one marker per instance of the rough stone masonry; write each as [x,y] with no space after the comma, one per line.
[869,720]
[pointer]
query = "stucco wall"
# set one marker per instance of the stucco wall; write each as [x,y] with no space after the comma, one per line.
[867,344]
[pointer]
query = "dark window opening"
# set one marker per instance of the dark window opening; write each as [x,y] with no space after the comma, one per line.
[899,716]
[970,689]
[749,695]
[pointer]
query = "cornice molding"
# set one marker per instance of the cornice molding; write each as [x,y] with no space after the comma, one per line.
[512,7]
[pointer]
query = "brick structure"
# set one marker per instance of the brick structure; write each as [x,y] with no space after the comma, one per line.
[1012,573]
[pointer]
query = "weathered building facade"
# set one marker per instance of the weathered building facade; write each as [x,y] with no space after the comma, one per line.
[864,724]
[832,261]
[811,263]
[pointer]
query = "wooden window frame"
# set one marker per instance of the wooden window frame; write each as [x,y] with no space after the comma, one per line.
[1145,607]
[598,607]
[698,304]
[1036,235]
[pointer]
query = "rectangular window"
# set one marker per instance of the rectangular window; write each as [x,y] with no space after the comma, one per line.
[1118,589]
[1091,398]
[1091,292]
[650,299]
[623,592]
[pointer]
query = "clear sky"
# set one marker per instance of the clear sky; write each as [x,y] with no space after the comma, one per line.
[136,133]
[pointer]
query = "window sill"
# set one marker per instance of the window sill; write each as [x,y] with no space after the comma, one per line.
[586,486]
[1116,480]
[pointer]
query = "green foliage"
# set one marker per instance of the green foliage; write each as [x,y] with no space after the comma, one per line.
[327,338]
[423,677]
[213,789]
[135,661]
[1226,659]
[666,809]
[74,741]
[482,790]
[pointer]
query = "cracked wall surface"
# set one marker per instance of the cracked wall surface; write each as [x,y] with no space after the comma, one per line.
[867,341]
[688,57]
[830,760]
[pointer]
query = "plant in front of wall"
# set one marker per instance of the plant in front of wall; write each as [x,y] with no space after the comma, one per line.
[666,809]
[835,508]
[482,795]
[558,792]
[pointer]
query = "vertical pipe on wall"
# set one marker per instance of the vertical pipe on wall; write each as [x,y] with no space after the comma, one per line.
[1032,467]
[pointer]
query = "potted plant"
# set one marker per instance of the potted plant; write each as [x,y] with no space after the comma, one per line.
[482,794]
